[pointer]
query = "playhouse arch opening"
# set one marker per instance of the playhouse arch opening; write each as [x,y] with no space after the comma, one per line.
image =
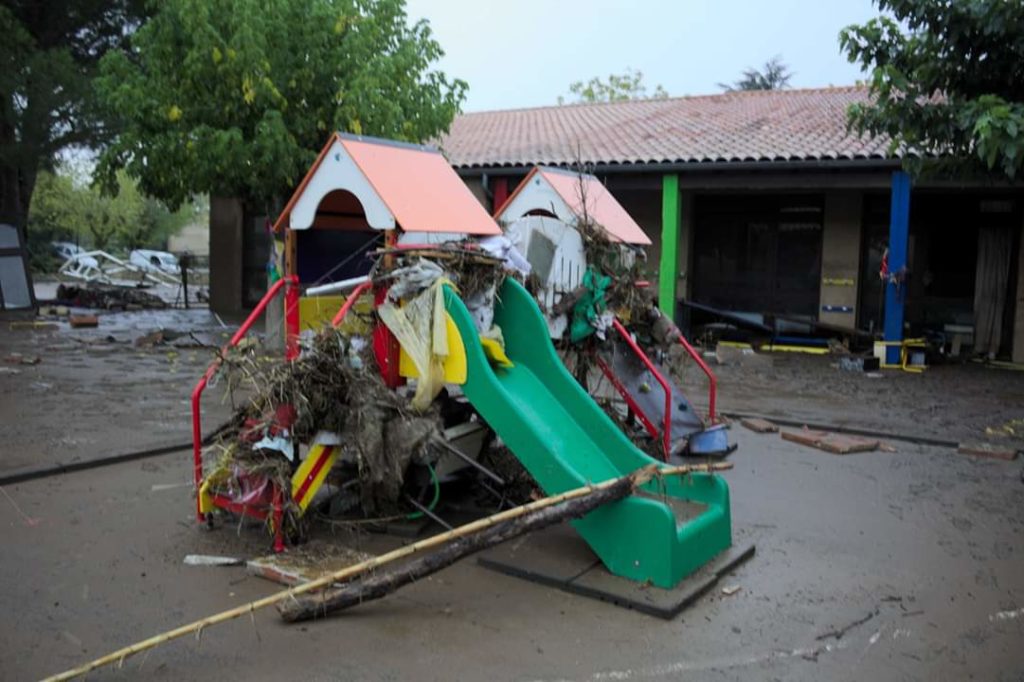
[336,244]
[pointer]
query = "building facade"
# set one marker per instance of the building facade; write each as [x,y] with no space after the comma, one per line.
[764,204]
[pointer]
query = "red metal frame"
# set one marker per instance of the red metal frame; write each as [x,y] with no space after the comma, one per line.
[712,380]
[634,408]
[666,430]
[350,301]
[291,352]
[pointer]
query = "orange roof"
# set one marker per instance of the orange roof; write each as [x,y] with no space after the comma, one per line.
[601,207]
[414,182]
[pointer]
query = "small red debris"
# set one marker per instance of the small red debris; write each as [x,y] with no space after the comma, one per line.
[78,321]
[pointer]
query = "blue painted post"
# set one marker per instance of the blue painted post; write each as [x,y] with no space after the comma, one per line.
[896,292]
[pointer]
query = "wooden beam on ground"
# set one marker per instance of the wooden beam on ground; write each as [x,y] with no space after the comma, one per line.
[632,480]
[382,584]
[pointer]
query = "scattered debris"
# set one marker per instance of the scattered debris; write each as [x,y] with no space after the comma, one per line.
[1011,429]
[838,444]
[1006,615]
[81,321]
[859,364]
[34,325]
[54,311]
[839,632]
[886,447]
[990,450]
[730,590]
[101,267]
[210,560]
[19,359]
[173,337]
[303,564]
[758,425]
[108,297]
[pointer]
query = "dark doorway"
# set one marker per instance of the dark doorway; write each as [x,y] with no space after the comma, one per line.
[758,253]
[942,256]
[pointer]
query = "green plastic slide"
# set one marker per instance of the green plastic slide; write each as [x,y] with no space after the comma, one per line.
[565,440]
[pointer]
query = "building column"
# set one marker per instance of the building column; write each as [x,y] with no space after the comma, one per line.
[668,270]
[500,193]
[227,242]
[896,291]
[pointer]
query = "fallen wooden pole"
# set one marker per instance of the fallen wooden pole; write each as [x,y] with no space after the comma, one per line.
[632,480]
[372,587]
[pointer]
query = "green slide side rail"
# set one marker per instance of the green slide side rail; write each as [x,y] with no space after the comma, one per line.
[565,440]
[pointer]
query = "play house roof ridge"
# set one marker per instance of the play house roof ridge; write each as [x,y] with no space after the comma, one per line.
[571,186]
[399,184]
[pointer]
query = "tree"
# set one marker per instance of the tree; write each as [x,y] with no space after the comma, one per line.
[946,81]
[48,57]
[774,75]
[617,88]
[235,97]
[66,207]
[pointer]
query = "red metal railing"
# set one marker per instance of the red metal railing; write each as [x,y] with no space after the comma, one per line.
[291,304]
[666,429]
[350,301]
[712,381]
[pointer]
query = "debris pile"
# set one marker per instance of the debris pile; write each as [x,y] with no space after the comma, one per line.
[107,297]
[390,439]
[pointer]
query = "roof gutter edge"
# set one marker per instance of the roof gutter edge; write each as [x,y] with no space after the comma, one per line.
[695,166]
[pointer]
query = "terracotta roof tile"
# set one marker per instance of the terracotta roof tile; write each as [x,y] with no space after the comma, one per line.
[780,125]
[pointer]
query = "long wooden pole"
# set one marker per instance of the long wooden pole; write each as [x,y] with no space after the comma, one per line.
[380,584]
[638,477]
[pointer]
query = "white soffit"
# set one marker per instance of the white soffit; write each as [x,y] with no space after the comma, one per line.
[538,195]
[339,172]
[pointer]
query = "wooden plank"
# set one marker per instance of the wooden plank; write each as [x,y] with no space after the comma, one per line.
[837,444]
[760,425]
[990,450]
[78,321]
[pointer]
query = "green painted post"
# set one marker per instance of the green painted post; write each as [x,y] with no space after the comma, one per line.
[668,269]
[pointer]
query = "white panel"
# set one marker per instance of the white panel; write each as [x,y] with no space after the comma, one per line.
[560,269]
[8,236]
[13,283]
[338,171]
[538,195]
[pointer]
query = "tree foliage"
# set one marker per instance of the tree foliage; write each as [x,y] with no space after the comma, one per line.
[235,97]
[67,207]
[616,88]
[946,79]
[48,58]
[774,75]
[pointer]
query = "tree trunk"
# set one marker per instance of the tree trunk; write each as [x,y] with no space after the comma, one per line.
[379,585]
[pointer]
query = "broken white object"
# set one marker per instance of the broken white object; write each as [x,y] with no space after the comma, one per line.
[603,323]
[282,444]
[337,287]
[730,590]
[210,560]
[503,247]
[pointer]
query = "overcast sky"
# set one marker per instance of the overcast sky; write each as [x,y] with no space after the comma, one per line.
[523,53]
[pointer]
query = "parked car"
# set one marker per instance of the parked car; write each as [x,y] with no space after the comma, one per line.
[150,260]
[69,251]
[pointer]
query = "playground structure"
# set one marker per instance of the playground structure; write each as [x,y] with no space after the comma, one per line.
[395,202]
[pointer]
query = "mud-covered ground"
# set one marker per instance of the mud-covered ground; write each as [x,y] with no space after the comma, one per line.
[95,393]
[967,402]
[889,566]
